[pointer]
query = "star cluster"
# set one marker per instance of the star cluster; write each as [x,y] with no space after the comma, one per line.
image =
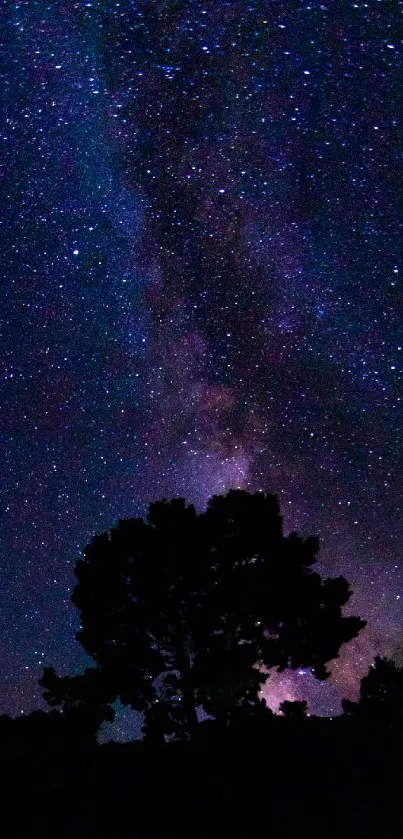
[201,288]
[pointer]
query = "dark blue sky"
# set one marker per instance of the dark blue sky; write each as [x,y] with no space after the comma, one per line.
[201,288]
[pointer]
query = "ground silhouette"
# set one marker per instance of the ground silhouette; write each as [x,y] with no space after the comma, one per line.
[187,602]
[286,777]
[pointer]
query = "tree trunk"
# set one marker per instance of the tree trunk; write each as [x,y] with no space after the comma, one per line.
[190,711]
[189,703]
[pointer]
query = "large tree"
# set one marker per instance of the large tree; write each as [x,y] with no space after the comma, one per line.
[184,610]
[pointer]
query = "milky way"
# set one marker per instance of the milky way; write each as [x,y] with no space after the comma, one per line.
[201,288]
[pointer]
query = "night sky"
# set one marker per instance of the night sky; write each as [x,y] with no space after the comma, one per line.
[200,252]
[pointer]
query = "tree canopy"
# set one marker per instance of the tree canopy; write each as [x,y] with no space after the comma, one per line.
[381,693]
[184,611]
[294,709]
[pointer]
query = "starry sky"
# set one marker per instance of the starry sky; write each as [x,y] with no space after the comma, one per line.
[201,289]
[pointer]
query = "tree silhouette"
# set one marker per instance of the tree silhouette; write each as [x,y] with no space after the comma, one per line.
[296,710]
[86,700]
[183,610]
[381,693]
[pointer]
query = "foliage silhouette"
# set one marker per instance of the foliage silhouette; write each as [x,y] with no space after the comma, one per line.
[48,732]
[294,710]
[184,611]
[381,693]
[86,699]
